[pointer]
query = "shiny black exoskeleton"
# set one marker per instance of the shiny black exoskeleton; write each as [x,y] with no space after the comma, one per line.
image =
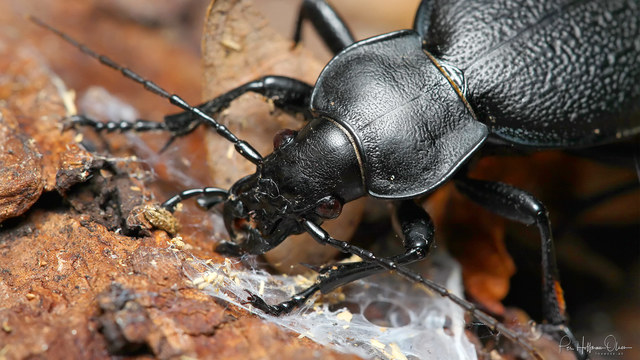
[397,115]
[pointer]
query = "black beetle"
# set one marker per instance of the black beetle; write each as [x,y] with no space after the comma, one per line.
[397,115]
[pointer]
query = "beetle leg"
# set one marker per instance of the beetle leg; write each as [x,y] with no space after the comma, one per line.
[417,229]
[518,205]
[209,197]
[327,22]
[321,236]
[110,126]
[422,21]
[288,94]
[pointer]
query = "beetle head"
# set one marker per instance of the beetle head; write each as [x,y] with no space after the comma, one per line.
[309,176]
[256,216]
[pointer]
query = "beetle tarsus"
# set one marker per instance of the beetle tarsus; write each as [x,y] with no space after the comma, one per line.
[258,303]
[284,307]
[111,126]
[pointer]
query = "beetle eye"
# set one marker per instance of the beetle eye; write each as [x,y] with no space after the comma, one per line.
[283,137]
[329,208]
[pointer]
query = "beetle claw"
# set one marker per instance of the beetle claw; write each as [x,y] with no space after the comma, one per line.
[167,144]
[258,303]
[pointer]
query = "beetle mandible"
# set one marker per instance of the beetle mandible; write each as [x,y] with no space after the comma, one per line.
[397,115]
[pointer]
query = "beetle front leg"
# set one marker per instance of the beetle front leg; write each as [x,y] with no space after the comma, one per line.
[286,93]
[329,25]
[518,205]
[208,197]
[321,236]
[417,230]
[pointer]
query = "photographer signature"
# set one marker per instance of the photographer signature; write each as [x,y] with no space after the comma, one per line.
[609,346]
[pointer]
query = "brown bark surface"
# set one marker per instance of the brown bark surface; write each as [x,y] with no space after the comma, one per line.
[83,272]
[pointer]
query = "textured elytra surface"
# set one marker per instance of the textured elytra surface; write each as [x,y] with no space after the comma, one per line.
[546,73]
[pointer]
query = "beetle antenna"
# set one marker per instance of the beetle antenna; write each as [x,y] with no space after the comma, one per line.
[242,147]
[320,235]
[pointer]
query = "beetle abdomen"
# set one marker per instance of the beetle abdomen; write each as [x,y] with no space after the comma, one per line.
[546,73]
